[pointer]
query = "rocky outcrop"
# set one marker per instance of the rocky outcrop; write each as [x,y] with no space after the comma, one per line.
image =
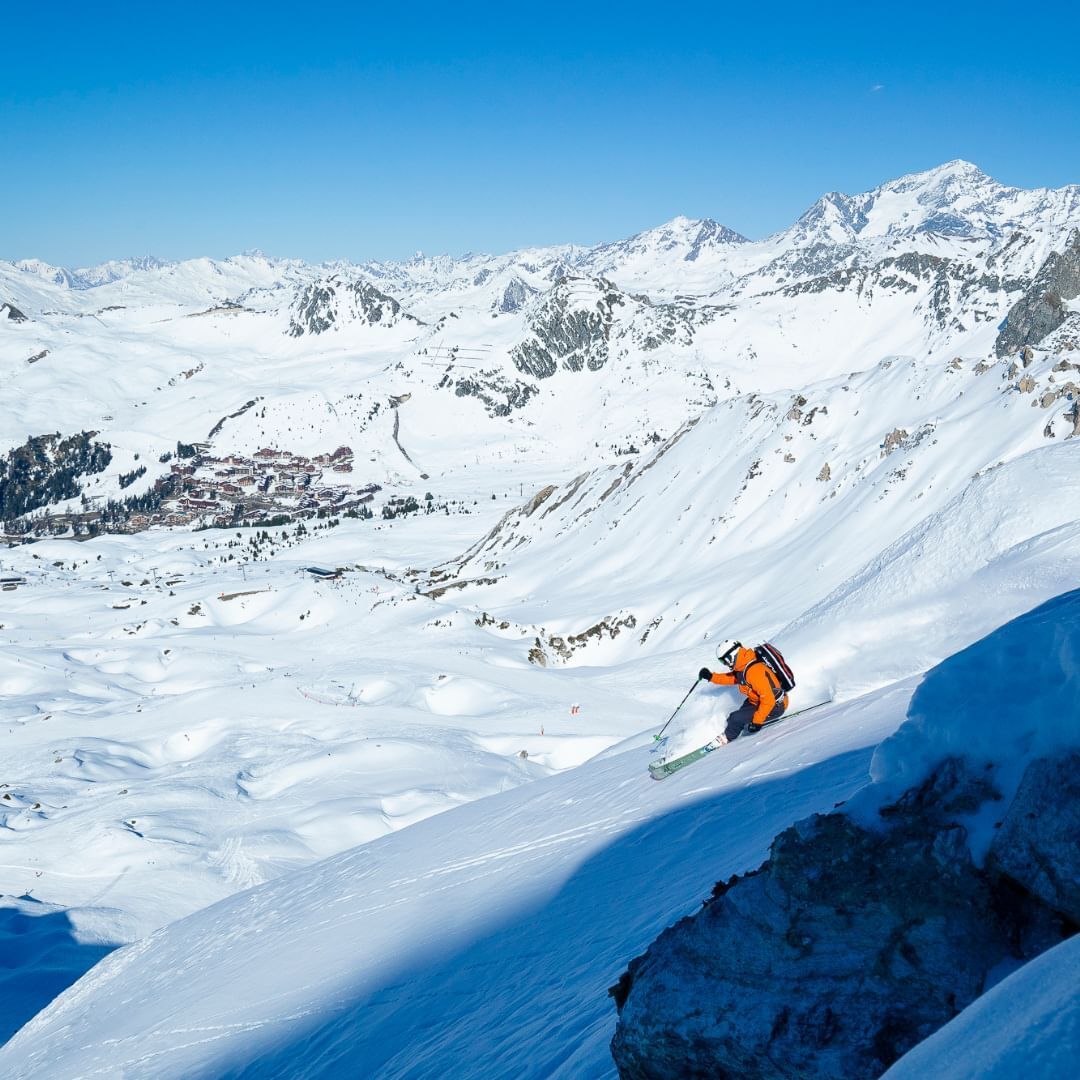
[513,297]
[12,313]
[334,302]
[216,429]
[499,395]
[552,648]
[957,290]
[1038,845]
[1043,308]
[657,325]
[902,439]
[856,941]
[571,328]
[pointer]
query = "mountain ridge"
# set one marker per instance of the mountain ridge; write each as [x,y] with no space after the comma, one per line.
[836,216]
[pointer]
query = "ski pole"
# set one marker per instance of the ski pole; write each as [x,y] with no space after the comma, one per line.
[656,737]
[809,708]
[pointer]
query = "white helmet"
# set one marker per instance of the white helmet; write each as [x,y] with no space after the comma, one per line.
[726,652]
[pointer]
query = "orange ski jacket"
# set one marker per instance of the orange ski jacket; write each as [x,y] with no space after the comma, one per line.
[756,681]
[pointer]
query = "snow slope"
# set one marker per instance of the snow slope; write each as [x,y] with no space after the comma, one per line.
[732,516]
[479,942]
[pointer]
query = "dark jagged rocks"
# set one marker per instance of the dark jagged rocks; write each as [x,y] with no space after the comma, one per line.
[1043,308]
[499,395]
[326,304]
[852,944]
[514,297]
[571,329]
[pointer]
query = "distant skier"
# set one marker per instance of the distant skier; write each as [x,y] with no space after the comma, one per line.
[761,682]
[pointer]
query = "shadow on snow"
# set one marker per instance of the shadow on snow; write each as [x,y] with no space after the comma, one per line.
[529,998]
[40,957]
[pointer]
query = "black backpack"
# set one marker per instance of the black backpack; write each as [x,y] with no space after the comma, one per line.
[769,655]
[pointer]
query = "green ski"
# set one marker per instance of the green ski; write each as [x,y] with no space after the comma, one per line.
[659,769]
[664,767]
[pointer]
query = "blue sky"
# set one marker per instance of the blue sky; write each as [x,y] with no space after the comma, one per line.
[359,131]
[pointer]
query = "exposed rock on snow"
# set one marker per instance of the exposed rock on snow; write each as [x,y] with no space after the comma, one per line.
[553,647]
[845,950]
[570,328]
[1042,309]
[1027,1025]
[513,297]
[500,395]
[333,302]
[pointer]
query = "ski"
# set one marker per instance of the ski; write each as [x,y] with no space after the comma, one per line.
[661,768]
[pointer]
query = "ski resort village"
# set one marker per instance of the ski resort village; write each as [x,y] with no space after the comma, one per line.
[201,490]
[649,658]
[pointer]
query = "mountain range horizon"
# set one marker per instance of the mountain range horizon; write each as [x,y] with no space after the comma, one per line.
[110,269]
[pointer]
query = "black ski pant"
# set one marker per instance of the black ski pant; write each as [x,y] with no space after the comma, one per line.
[737,721]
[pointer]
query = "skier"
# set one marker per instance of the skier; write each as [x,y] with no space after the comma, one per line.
[765,696]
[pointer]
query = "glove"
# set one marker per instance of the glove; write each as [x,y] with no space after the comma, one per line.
[752,728]
[705,674]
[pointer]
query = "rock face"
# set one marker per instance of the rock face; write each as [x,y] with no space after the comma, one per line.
[333,302]
[1042,309]
[499,395]
[853,943]
[513,297]
[1039,839]
[570,329]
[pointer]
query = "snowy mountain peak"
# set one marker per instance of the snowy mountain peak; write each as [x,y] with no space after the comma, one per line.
[115,270]
[696,231]
[956,199]
[89,277]
[958,168]
[681,238]
[834,218]
[944,186]
[56,275]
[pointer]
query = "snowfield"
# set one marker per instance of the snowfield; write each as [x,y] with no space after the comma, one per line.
[399,824]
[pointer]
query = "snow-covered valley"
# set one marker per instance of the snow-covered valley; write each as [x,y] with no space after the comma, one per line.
[398,822]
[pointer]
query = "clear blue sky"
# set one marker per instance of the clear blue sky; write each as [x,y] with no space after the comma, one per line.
[333,130]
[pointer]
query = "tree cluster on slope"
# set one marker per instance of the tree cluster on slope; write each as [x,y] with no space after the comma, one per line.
[46,470]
